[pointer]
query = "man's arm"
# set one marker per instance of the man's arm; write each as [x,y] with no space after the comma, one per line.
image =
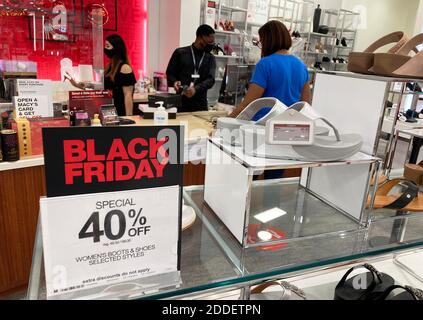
[172,71]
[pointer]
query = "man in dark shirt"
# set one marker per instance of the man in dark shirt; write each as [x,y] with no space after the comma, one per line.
[191,71]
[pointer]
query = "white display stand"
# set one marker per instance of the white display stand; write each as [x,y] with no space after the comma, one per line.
[356,103]
[342,186]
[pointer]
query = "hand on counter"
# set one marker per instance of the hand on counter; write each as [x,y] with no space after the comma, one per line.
[190,92]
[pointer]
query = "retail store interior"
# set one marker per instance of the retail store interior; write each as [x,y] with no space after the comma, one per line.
[298,128]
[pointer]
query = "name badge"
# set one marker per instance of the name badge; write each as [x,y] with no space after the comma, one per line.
[195,76]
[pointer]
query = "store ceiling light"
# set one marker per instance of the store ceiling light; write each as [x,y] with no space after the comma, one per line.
[270,215]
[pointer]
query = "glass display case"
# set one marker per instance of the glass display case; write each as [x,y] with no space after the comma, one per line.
[213,262]
[331,196]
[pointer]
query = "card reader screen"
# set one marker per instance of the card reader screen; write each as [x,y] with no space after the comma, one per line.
[291,132]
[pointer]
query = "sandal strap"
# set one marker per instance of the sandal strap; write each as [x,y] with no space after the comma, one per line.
[308,111]
[260,288]
[415,293]
[285,285]
[390,38]
[411,45]
[376,279]
[294,289]
[411,192]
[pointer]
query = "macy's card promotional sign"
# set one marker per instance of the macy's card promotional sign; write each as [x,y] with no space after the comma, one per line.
[32,107]
[112,214]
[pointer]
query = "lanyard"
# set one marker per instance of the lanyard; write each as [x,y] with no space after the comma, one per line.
[196,71]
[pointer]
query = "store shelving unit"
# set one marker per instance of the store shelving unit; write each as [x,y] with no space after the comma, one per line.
[293,13]
[340,28]
[228,10]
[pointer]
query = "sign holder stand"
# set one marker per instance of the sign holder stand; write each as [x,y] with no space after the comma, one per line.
[127,215]
[132,289]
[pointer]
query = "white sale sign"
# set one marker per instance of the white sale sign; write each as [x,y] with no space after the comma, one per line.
[31,107]
[108,238]
[34,87]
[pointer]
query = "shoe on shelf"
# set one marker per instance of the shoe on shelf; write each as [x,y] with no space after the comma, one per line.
[344,42]
[412,69]
[337,42]
[318,66]
[409,294]
[400,64]
[412,114]
[400,195]
[414,173]
[320,48]
[362,62]
[414,87]
[286,291]
[376,284]
[296,34]
[325,59]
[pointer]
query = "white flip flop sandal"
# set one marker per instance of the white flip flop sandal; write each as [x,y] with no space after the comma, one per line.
[228,128]
[262,141]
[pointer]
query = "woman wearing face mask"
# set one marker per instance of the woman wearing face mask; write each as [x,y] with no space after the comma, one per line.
[119,76]
[278,74]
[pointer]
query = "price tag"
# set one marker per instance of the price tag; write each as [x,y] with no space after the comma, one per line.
[109,238]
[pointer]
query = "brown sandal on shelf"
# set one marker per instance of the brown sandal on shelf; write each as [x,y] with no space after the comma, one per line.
[413,69]
[385,64]
[414,172]
[361,62]
[381,181]
[408,200]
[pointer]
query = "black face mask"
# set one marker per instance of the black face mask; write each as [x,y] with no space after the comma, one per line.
[110,53]
[209,48]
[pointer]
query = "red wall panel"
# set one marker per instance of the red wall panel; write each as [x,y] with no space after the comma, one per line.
[16,36]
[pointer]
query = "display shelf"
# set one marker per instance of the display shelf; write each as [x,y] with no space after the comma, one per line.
[339,30]
[291,20]
[260,164]
[407,93]
[344,11]
[255,24]
[7,75]
[214,262]
[321,285]
[342,47]
[315,34]
[233,9]
[228,33]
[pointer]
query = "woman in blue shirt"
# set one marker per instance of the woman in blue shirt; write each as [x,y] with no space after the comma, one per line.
[278,74]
